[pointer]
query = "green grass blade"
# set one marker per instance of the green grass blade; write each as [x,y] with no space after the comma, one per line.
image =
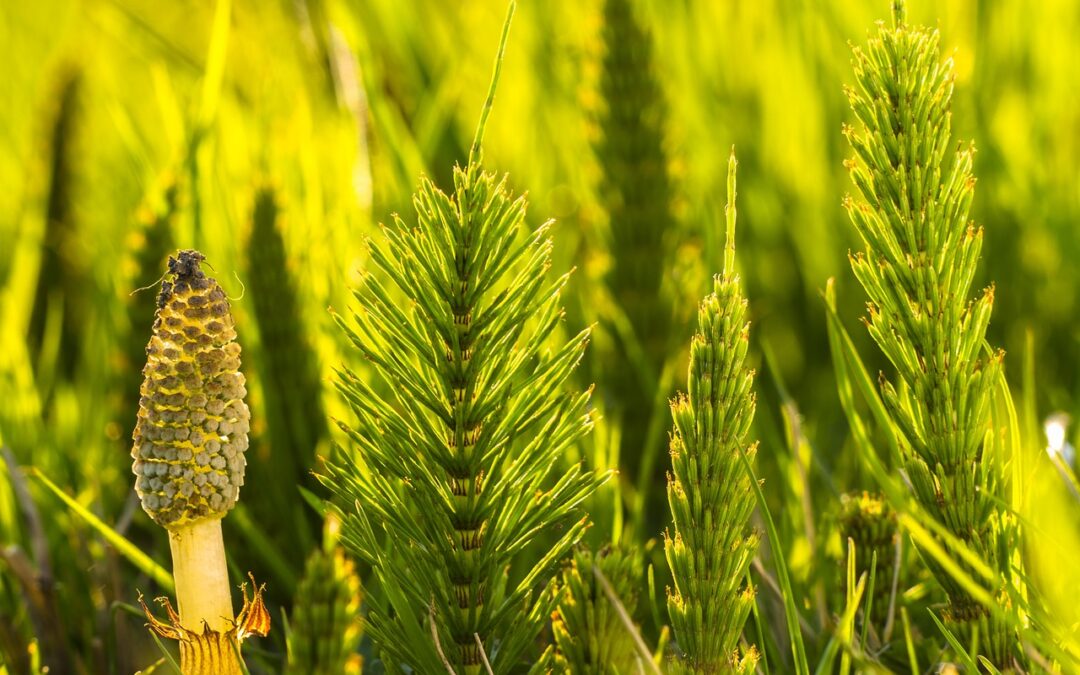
[987,666]
[845,627]
[764,663]
[909,642]
[166,657]
[851,375]
[869,597]
[124,547]
[828,657]
[654,603]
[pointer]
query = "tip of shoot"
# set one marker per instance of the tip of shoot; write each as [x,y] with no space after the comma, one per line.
[474,152]
[729,213]
[899,13]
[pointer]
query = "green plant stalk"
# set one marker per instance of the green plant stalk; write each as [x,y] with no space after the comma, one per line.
[919,262]
[204,599]
[709,491]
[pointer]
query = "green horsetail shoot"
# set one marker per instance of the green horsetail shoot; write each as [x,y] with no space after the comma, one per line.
[918,267]
[709,491]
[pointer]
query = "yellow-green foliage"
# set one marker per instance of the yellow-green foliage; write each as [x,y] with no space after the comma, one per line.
[341,107]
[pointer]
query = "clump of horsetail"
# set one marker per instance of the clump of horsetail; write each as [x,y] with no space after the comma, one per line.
[189,444]
[637,195]
[921,253]
[452,470]
[589,635]
[326,625]
[870,524]
[62,276]
[288,367]
[709,490]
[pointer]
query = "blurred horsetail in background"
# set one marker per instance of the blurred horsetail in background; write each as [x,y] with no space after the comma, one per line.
[296,424]
[588,633]
[288,359]
[59,300]
[326,624]
[635,191]
[275,138]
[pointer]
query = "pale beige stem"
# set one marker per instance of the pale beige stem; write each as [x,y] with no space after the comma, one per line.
[201,576]
[204,599]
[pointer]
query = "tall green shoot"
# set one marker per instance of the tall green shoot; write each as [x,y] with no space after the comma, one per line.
[449,474]
[921,252]
[709,489]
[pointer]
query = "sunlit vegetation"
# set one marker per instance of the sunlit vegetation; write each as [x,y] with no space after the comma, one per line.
[430,324]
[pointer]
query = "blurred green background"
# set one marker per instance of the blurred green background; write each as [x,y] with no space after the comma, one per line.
[129,128]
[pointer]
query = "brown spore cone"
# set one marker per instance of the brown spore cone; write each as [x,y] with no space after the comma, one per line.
[192,429]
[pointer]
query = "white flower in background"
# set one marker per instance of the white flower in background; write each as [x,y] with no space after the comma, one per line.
[1055,427]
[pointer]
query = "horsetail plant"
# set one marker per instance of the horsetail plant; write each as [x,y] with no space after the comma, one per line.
[59,297]
[288,370]
[188,452]
[326,624]
[917,269]
[869,523]
[448,479]
[589,636]
[709,489]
